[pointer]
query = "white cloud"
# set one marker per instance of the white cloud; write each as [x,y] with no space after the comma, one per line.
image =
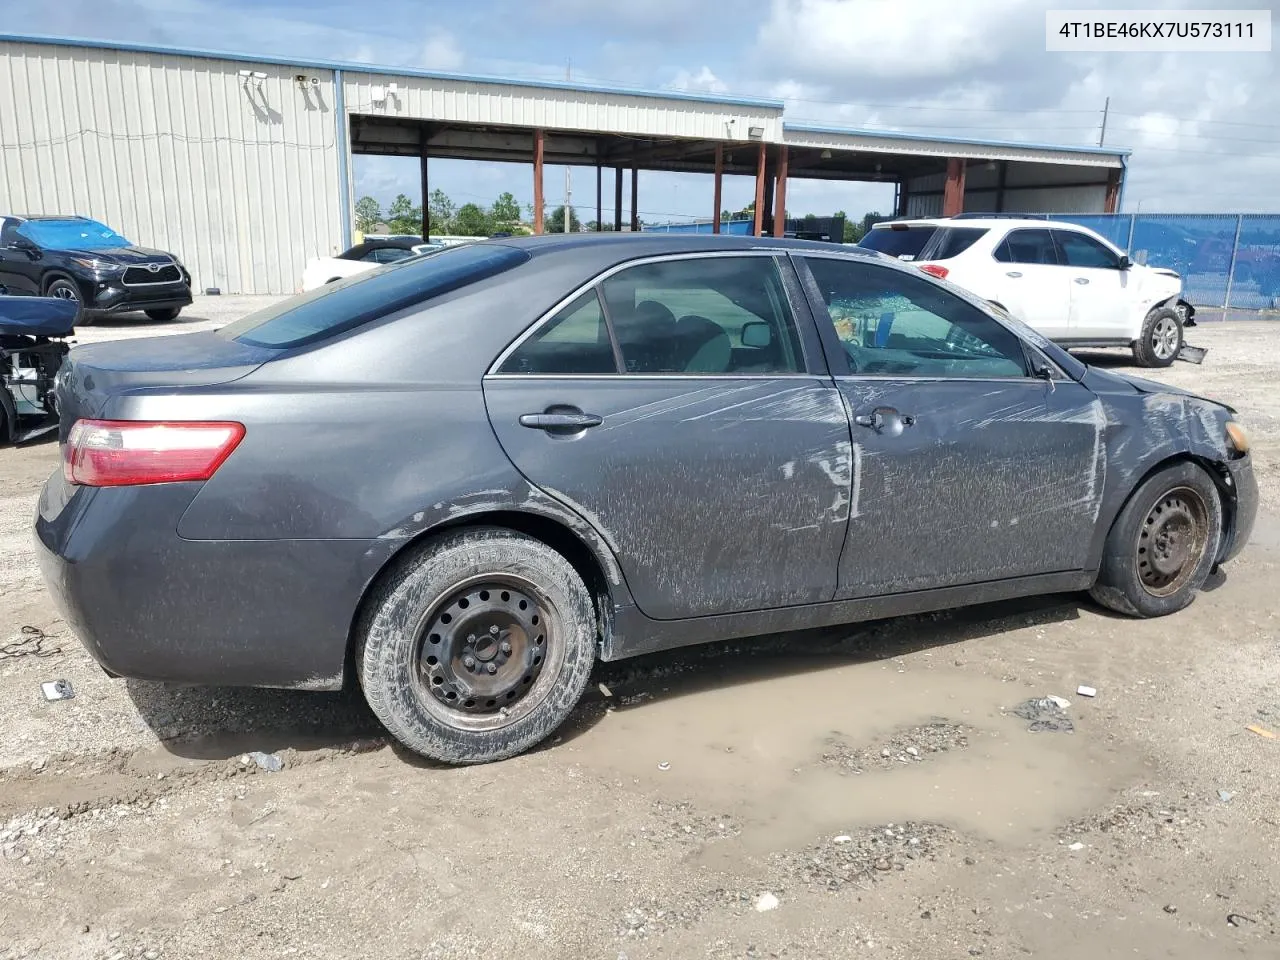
[441,52]
[704,81]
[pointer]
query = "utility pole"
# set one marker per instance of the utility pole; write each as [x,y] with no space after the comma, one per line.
[568,183]
[1106,108]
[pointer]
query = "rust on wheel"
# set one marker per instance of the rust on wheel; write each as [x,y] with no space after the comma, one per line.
[482,651]
[1172,541]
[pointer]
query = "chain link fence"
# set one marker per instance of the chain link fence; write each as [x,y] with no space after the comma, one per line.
[1227,261]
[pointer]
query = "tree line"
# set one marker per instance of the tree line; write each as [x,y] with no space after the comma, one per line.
[505,215]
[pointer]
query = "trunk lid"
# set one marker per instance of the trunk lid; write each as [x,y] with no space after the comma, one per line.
[93,373]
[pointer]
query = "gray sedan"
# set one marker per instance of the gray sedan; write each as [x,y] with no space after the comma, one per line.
[461,479]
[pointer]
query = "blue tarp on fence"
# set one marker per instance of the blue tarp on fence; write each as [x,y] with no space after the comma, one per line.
[1226,260]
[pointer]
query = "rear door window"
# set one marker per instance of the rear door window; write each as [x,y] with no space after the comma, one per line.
[905,243]
[573,342]
[705,316]
[337,307]
[1028,246]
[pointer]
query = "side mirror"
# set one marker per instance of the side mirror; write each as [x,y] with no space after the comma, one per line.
[756,334]
[1125,263]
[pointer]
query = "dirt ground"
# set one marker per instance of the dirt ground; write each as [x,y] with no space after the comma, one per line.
[870,785]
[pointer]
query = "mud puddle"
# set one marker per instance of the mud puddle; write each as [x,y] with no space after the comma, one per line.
[762,749]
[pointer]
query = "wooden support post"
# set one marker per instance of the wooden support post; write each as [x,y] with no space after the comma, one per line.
[1002,179]
[953,193]
[617,199]
[599,201]
[780,196]
[635,199]
[1113,190]
[538,145]
[715,223]
[760,162]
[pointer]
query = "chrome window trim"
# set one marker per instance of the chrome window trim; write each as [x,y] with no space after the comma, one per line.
[596,281]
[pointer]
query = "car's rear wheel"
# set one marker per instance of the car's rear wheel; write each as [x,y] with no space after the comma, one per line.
[477,646]
[1162,545]
[164,316]
[1161,338]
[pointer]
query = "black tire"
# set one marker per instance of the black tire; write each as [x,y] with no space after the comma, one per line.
[64,289]
[445,599]
[1163,544]
[1161,338]
[164,316]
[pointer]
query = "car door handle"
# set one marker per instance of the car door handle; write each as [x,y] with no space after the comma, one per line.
[560,421]
[885,420]
[1082,279]
[1014,273]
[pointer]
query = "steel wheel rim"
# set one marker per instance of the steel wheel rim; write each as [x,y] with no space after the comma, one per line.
[1172,541]
[527,653]
[64,291]
[1164,338]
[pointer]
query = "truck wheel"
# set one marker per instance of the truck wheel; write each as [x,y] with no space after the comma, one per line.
[1160,340]
[477,646]
[1162,545]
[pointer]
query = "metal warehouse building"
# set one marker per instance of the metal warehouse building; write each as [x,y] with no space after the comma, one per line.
[242,165]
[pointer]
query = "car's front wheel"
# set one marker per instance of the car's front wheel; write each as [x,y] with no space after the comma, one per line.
[1161,339]
[477,646]
[164,316]
[1162,545]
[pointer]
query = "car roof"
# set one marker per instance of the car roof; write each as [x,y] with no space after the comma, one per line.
[977,220]
[398,243]
[42,216]
[607,248]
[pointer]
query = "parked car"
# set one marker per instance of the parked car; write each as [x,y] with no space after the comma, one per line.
[363,256]
[1063,280]
[33,332]
[75,258]
[464,478]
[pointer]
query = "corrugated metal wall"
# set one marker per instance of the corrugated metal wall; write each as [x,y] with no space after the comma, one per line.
[237,176]
[523,106]
[1029,188]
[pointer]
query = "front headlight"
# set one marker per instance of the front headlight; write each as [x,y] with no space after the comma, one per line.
[94,264]
[1237,437]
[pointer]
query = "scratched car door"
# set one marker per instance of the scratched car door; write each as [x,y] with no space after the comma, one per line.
[965,467]
[702,441]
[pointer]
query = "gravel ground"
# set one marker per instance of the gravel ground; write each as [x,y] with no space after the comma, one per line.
[841,793]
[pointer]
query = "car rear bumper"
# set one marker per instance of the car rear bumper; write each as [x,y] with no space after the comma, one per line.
[1245,486]
[150,605]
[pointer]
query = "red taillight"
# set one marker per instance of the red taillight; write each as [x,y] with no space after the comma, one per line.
[934,270]
[118,453]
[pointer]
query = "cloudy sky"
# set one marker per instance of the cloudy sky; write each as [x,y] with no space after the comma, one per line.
[1204,128]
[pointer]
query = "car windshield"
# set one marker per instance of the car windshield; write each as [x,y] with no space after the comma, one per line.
[899,241]
[346,304]
[73,233]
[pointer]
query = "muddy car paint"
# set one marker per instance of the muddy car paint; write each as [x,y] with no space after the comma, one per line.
[258,575]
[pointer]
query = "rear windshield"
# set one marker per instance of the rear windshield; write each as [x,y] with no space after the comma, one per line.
[902,242]
[338,307]
[950,242]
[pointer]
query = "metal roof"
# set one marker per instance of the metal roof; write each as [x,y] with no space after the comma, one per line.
[967,141]
[384,69]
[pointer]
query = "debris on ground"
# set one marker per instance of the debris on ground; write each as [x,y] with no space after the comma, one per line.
[57,690]
[1076,847]
[29,643]
[1233,919]
[1084,691]
[766,902]
[266,761]
[1261,731]
[1170,908]
[1225,795]
[1045,714]
[664,765]
[605,691]
[1062,702]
